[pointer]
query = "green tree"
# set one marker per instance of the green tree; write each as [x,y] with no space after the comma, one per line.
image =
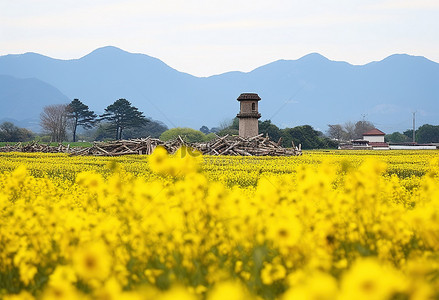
[228,131]
[121,115]
[266,127]
[11,133]
[80,115]
[409,134]
[103,131]
[204,129]
[307,136]
[152,128]
[210,136]
[188,134]
[397,137]
[427,134]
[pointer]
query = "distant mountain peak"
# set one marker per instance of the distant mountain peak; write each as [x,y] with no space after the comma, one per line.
[407,57]
[106,51]
[110,49]
[31,55]
[314,56]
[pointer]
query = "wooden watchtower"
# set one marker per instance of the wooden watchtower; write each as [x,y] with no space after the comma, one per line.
[248,115]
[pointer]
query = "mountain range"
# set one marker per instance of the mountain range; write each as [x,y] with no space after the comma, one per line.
[311,90]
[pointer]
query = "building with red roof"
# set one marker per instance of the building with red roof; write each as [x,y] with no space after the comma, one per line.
[374,135]
[375,138]
[372,139]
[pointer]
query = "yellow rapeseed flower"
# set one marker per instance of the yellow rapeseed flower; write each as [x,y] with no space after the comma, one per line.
[92,261]
[369,279]
[230,290]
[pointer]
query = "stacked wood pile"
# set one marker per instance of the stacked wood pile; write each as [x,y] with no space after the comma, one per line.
[254,146]
[126,147]
[36,147]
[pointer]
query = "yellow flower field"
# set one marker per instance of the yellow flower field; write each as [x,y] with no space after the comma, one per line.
[326,225]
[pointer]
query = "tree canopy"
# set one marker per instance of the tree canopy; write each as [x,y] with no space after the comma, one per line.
[427,134]
[266,127]
[305,135]
[397,137]
[204,129]
[80,115]
[188,134]
[11,133]
[121,115]
[152,128]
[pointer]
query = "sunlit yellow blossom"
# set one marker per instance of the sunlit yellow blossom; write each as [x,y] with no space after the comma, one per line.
[62,274]
[272,272]
[284,228]
[61,291]
[230,290]
[92,261]
[91,180]
[368,279]
[23,295]
[315,286]
[110,290]
[182,162]
[177,292]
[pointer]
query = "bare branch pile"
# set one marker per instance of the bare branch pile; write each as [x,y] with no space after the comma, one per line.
[126,147]
[239,146]
[254,146]
[37,147]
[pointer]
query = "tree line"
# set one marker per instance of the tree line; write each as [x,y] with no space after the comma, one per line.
[425,134]
[117,118]
[122,120]
[351,131]
[11,133]
[305,134]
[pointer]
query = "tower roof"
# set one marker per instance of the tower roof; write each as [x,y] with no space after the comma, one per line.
[249,96]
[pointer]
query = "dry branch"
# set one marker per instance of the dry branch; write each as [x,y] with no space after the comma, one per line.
[226,145]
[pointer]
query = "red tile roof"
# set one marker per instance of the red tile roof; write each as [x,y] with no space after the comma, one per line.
[374,132]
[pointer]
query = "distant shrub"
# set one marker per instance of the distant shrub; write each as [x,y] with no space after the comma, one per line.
[188,134]
[228,131]
[210,136]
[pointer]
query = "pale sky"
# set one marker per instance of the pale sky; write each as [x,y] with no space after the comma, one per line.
[214,36]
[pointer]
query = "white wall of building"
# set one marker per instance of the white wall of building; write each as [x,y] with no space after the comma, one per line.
[374,138]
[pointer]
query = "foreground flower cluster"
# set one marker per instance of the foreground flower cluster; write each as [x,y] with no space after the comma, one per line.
[179,228]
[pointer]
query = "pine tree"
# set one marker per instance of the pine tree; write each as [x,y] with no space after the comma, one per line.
[80,115]
[121,114]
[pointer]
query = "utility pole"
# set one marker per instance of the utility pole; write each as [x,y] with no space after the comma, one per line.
[414,127]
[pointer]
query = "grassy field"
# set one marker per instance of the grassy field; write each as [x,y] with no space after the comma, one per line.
[325,225]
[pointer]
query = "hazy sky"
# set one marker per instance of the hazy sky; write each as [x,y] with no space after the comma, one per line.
[215,36]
